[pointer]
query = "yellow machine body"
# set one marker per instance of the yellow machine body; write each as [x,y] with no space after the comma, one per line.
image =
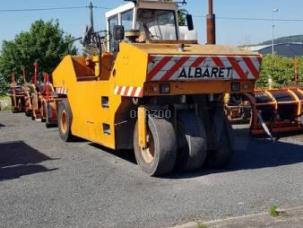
[100,104]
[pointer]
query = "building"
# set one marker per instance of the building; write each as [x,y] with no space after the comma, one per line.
[281,49]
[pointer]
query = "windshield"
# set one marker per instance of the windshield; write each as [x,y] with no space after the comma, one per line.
[157,24]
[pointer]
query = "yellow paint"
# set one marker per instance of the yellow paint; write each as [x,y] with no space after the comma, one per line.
[294,95]
[129,69]
[142,127]
[80,76]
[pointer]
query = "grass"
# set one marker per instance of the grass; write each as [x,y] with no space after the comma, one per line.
[202,225]
[273,211]
[6,100]
[7,108]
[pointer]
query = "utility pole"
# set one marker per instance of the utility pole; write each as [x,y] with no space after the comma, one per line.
[211,24]
[296,66]
[91,14]
[275,10]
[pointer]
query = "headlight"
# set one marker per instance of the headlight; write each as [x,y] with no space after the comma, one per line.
[164,88]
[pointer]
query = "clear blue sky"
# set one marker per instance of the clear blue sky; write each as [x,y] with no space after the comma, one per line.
[228,31]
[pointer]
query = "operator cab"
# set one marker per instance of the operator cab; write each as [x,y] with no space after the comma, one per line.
[144,21]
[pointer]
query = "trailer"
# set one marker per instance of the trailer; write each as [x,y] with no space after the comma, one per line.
[17,95]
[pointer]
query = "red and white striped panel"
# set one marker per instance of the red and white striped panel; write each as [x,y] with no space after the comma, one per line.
[61,90]
[169,68]
[128,91]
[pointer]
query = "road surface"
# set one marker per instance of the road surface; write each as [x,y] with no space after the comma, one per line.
[45,182]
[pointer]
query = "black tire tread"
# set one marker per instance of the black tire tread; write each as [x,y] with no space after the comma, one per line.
[192,141]
[165,147]
[68,136]
[222,156]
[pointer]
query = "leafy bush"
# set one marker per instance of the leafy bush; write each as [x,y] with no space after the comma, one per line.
[281,69]
[45,43]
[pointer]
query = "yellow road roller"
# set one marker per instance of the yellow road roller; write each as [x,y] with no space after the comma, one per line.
[145,86]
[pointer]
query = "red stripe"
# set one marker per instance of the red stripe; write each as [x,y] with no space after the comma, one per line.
[198,61]
[134,91]
[237,68]
[218,61]
[150,58]
[251,67]
[174,69]
[141,92]
[126,91]
[119,90]
[158,67]
[123,94]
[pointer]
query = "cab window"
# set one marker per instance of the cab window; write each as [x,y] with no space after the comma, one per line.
[113,44]
[157,24]
[127,20]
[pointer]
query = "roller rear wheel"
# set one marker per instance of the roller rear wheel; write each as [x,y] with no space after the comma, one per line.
[46,111]
[192,141]
[159,157]
[64,121]
[221,155]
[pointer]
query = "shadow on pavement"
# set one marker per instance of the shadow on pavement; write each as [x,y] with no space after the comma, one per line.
[251,153]
[2,125]
[18,159]
[127,155]
[257,154]
[263,153]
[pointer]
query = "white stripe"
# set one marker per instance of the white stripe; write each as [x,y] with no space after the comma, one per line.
[130,90]
[227,64]
[122,93]
[245,68]
[235,74]
[163,71]
[256,63]
[116,90]
[138,91]
[154,63]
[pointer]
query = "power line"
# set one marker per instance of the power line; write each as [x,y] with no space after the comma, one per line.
[107,8]
[253,19]
[49,9]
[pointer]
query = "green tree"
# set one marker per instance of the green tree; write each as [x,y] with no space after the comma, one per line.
[181,15]
[280,69]
[45,43]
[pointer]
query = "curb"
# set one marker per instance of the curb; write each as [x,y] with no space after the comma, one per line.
[290,216]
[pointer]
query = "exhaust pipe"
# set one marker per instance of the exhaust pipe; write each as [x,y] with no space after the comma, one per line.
[211,24]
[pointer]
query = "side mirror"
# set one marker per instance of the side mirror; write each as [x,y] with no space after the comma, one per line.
[119,32]
[189,21]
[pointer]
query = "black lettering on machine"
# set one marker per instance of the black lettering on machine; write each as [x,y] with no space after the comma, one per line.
[205,73]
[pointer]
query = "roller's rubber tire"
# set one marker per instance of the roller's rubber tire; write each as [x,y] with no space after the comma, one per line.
[222,155]
[14,108]
[28,113]
[192,141]
[21,104]
[48,124]
[162,143]
[65,121]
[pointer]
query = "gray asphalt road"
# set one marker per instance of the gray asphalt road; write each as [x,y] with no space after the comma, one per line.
[47,183]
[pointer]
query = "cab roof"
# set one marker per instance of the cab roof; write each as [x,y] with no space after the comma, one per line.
[142,4]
